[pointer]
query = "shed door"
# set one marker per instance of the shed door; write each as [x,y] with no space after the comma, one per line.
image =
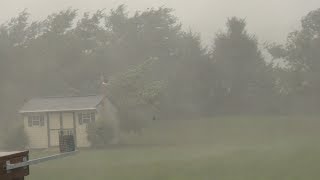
[55,127]
[58,122]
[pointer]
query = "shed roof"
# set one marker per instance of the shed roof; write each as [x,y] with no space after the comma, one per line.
[56,104]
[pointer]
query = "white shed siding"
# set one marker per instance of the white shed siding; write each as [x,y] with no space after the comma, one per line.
[54,121]
[57,109]
[54,118]
[55,126]
[37,135]
[67,118]
[82,135]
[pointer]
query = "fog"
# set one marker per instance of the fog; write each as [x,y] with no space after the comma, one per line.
[171,89]
[270,20]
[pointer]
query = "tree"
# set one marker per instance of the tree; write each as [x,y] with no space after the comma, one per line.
[134,96]
[302,56]
[13,36]
[242,78]
[65,54]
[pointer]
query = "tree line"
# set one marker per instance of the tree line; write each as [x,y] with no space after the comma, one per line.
[153,65]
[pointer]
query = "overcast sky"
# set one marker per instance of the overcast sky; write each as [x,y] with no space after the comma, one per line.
[270,20]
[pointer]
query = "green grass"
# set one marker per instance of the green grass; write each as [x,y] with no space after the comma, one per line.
[252,148]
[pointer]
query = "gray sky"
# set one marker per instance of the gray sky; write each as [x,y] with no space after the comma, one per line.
[270,20]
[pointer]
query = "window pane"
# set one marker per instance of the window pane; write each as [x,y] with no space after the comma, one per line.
[80,118]
[86,121]
[35,123]
[93,117]
[36,118]
[41,120]
[29,121]
[86,115]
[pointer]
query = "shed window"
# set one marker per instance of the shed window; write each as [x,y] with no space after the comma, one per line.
[86,117]
[35,120]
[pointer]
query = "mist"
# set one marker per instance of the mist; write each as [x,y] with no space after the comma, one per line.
[151,89]
[270,20]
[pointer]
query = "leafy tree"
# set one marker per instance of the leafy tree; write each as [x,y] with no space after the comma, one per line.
[65,54]
[134,96]
[12,39]
[242,80]
[301,54]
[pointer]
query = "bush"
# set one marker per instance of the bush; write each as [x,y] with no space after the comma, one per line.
[16,139]
[134,121]
[100,134]
[132,124]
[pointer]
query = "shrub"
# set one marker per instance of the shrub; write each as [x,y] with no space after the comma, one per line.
[16,139]
[132,124]
[100,134]
[135,120]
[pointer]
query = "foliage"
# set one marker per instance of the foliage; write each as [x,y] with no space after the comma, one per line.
[100,134]
[131,88]
[16,139]
[134,95]
[166,69]
[66,53]
[301,52]
[243,79]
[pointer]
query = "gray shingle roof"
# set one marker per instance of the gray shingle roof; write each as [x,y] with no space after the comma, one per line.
[54,104]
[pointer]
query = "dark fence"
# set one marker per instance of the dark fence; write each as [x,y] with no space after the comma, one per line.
[66,141]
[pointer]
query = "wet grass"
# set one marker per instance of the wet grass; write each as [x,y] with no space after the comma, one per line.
[247,148]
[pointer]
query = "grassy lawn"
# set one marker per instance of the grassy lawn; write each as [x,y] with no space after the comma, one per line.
[277,148]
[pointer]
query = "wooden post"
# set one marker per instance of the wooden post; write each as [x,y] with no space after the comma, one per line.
[61,121]
[48,129]
[74,129]
[13,157]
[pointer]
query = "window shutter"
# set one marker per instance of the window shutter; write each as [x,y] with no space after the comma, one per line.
[41,120]
[29,121]
[80,118]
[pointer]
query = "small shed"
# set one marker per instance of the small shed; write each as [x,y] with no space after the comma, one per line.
[44,118]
